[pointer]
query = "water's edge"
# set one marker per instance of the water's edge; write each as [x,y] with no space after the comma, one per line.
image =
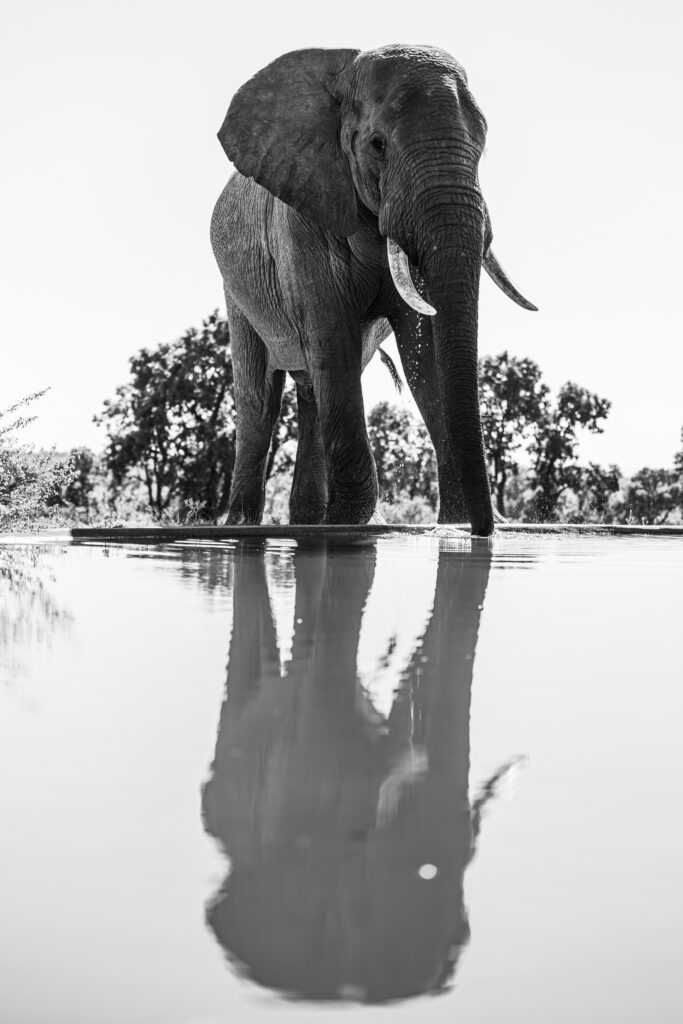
[165,533]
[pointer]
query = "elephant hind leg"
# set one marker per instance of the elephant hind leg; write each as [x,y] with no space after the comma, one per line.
[258,394]
[308,500]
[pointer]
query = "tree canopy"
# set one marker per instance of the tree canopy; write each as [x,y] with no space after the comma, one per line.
[653,496]
[554,448]
[513,401]
[403,453]
[520,417]
[172,425]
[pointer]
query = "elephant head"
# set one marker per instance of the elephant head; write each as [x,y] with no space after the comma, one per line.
[393,136]
[348,832]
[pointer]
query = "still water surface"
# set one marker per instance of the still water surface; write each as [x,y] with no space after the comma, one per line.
[267,780]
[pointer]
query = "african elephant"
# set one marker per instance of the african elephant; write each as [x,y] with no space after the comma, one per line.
[348,831]
[353,168]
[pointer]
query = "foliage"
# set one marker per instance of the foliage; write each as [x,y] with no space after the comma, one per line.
[171,444]
[276,509]
[78,490]
[91,498]
[171,428]
[513,400]
[519,417]
[29,478]
[553,449]
[404,456]
[678,459]
[408,510]
[282,455]
[594,488]
[653,496]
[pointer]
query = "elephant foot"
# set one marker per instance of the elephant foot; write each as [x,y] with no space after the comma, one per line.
[348,514]
[307,514]
[242,520]
[482,526]
[244,514]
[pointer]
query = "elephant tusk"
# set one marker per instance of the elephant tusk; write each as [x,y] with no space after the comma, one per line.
[497,274]
[400,273]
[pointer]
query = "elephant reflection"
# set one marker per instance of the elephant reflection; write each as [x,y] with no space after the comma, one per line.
[348,833]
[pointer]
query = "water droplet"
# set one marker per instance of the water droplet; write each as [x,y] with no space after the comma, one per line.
[428,871]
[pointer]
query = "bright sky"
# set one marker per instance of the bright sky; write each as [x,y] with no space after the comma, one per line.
[111,166]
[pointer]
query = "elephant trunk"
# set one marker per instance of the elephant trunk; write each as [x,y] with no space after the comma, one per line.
[450,263]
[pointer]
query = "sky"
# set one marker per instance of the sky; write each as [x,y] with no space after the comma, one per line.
[110,167]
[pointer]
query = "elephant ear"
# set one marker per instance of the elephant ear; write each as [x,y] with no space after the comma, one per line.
[282,130]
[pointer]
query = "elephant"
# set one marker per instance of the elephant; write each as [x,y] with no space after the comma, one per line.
[355,211]
[348,831]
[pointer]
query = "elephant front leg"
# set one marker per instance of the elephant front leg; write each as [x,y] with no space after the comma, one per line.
[258,393]
[335,368]
[308,500]
[413,335]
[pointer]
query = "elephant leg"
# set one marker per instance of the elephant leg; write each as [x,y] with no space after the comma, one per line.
[308,500]
[258,393]
[335,368]
[415,345]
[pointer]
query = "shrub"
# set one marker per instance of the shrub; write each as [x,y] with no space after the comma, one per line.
[29,478]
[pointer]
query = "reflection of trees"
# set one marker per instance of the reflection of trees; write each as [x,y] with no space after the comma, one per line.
[210,565]
[348,835]
[205,564]
[29,613]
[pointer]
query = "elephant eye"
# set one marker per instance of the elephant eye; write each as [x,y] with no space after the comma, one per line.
[378,143]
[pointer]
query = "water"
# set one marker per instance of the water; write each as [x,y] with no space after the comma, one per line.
[426,770]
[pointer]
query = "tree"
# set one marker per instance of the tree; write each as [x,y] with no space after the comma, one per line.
[403,453]
[594,486]
[513,400]
[172,426]
[77,491]
[519,416]
[678,459]
[653,495]
[555,468]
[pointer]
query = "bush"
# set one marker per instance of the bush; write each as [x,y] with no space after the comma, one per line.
[29,478]
[408,510]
